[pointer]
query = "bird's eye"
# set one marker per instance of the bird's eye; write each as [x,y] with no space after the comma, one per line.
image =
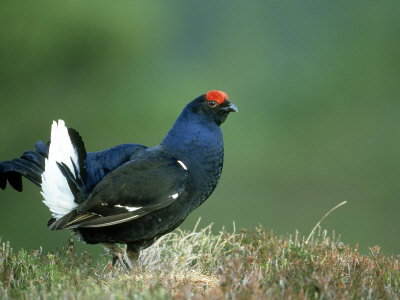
[212,103]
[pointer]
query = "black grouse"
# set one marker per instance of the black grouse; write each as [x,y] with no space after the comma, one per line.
[129,194]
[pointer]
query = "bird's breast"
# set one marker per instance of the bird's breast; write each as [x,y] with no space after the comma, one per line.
[204,174]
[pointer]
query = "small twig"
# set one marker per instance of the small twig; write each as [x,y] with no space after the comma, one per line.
[323,218]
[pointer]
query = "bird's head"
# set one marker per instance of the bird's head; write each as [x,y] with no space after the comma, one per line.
[214,106]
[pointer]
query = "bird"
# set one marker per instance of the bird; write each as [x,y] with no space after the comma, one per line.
[129,194]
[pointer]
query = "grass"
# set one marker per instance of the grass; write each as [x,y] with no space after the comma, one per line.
[252,264]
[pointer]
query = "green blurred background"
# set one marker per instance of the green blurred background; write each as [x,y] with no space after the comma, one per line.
[316,83]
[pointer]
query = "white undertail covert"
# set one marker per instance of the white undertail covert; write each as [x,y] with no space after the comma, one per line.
[55,190]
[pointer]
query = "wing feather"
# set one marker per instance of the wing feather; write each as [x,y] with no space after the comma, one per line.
[152,181]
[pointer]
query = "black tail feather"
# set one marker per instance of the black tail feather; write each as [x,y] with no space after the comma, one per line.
[79,146]
[76,178]
[15,180]
[3,180]
[75,182]
[30,165]
[28,170]
[36,159]
[42,149]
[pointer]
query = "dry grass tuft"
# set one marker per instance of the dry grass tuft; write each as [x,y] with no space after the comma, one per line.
[252,264]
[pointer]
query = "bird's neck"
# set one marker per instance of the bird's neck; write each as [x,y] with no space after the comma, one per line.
[200,146]
[192,137]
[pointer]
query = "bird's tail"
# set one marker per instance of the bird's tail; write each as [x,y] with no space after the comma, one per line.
[30,165]
[64,176]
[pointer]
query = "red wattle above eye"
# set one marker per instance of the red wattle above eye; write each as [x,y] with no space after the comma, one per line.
[217,96]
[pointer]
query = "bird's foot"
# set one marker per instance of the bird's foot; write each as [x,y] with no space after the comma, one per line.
[118,255]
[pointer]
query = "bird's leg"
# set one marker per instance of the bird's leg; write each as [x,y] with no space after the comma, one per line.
[114,259]
[118,254]
[133,256]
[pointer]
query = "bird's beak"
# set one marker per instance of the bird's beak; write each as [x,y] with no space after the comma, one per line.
[231,108]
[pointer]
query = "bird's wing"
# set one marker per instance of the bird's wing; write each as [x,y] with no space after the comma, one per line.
[153,180]
[99,164]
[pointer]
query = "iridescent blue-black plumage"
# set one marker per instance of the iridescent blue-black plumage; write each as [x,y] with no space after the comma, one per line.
[131,193]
